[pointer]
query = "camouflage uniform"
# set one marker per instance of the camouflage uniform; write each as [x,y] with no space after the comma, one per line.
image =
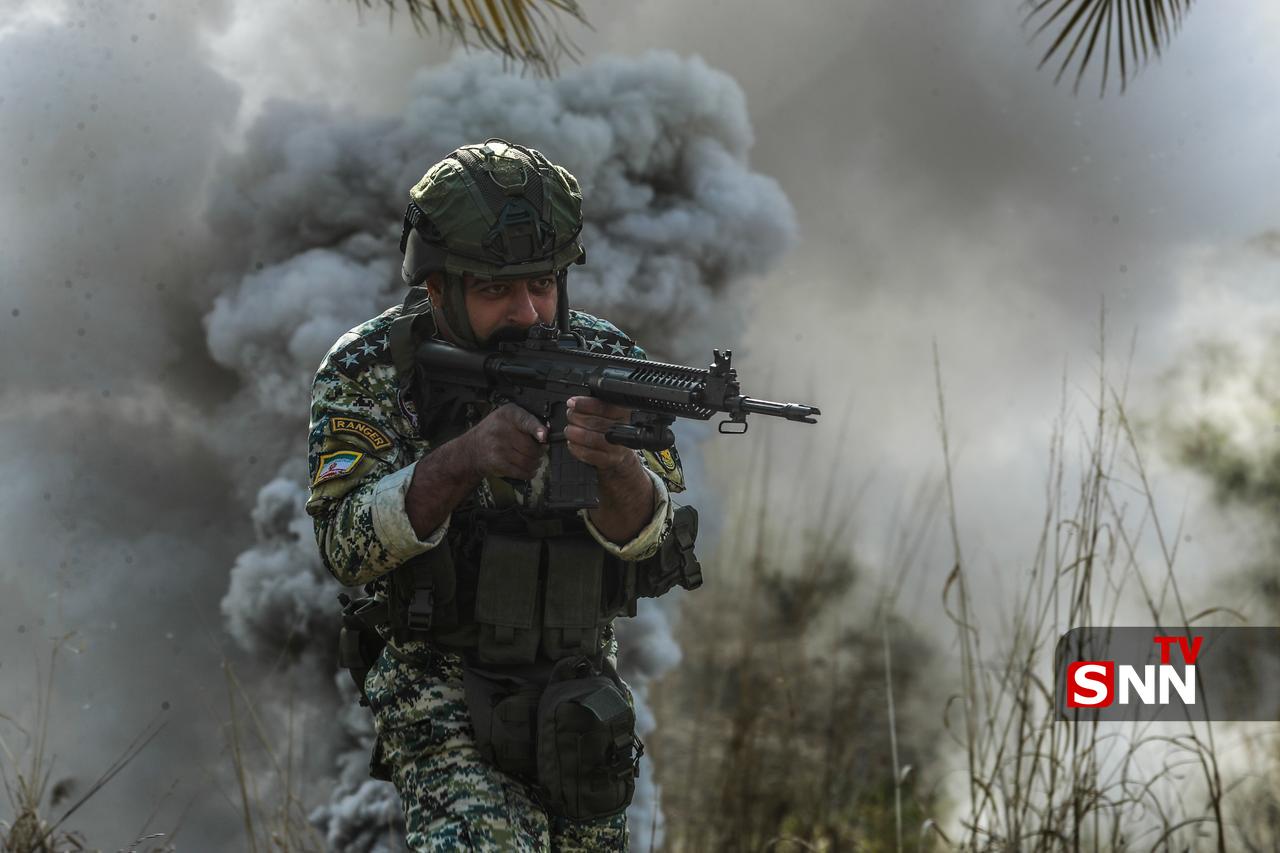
[363,444]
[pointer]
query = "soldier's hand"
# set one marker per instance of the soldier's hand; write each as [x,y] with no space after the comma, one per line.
[589,420]
[508,442]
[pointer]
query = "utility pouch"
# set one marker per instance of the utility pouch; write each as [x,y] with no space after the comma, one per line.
[571,613]
[588,751]
[567,730]
[504,713]
[507,605]
[675,563]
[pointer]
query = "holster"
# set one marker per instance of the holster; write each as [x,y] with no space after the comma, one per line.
[359,642]
[675,563]
[359,645]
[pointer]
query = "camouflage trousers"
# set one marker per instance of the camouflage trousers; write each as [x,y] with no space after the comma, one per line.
[452,799]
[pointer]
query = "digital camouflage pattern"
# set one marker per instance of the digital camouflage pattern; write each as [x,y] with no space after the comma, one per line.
[453,800]
[363,440]
[357,383]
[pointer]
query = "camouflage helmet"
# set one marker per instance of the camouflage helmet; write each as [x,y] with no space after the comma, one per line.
[495,210]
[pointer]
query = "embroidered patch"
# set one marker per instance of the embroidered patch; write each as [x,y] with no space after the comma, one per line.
[377,440]
[337,464]
[356,356]
[666,464]
[596,340]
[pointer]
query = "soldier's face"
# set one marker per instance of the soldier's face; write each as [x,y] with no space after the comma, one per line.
[515,304]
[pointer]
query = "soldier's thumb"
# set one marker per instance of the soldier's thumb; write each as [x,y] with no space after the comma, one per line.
[526,422]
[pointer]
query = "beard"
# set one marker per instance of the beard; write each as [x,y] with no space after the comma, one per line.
[506,334]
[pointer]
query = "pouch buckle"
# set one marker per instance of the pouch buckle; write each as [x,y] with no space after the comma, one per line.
[420,609]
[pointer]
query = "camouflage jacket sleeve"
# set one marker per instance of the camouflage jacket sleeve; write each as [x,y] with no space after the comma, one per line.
[662,467]
[362,451]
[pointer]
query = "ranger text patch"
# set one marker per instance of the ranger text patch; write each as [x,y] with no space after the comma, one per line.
[376,438]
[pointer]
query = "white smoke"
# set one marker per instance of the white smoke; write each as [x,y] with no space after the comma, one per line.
[675,218]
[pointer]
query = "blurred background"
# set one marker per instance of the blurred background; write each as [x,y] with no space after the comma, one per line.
[1042,325]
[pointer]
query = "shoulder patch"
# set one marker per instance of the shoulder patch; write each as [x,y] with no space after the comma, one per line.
[666,464]
[599,335]
[377,438]
[353,358]
[606,342]
[340,463]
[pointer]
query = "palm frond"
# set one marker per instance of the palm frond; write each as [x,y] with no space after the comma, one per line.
[526,31]
[1131,31]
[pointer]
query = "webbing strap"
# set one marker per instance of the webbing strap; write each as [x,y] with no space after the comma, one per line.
[401,334]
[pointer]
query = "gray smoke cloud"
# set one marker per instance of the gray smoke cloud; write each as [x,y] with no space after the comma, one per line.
[114,517]
[947,191]
[675,218]
[943,189]
[168,290]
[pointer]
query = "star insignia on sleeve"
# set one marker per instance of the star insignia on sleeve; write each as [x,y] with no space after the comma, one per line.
[384,342]
[349,359]
[617,348]
[368,350]
[594,343]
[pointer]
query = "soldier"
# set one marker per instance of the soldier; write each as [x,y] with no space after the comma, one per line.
[482,615]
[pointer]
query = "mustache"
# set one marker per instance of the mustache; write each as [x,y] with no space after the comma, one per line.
[507,334]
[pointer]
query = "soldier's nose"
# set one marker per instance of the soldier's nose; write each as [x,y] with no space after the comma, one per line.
[523,312]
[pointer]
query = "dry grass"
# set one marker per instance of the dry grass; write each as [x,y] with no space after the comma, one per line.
[1038,784]
[792,723]
[28,771]
[784,726]
[271,807]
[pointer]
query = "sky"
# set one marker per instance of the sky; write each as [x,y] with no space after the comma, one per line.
[941,192]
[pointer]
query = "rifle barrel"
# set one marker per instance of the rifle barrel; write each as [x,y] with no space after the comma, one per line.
[791,411]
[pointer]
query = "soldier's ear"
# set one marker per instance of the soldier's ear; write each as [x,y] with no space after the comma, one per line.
[433,285]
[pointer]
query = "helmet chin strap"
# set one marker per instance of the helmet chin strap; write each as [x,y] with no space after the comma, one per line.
[562,300]
[455,310]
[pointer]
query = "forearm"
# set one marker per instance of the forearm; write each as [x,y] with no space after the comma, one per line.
[442,479]
[626,501]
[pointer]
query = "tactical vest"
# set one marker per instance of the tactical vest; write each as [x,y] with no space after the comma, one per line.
[525,601]
[506,587]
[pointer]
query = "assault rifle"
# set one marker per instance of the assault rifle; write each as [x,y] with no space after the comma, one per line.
[542,372]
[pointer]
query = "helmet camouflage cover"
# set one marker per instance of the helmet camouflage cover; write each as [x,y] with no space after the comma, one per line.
[495,210]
